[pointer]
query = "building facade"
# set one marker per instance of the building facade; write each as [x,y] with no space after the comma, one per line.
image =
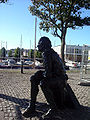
[73,52]
[89,55]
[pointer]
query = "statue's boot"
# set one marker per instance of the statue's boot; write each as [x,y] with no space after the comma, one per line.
[30,111]
[50,99]
[52,114]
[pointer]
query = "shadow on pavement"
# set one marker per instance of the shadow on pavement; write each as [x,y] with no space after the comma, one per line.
[67,114]
[23,104]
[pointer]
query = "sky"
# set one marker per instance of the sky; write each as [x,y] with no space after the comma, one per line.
[16,20]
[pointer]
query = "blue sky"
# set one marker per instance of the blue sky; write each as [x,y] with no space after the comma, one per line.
[15,19]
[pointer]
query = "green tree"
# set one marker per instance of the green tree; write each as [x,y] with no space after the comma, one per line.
[3,52]
[59,15]
[32,53]
[29,53]
[3,1]
[17,52]
[10,53]
[22,51]
[38,54]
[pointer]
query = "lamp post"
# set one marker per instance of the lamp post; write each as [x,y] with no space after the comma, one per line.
[21,55]
[35,41]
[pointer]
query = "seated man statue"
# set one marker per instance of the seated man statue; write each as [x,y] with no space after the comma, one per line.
[53,76]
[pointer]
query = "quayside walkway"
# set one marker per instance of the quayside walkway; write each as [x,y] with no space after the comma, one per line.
[15,96]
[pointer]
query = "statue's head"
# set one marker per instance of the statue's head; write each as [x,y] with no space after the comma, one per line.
[44,44]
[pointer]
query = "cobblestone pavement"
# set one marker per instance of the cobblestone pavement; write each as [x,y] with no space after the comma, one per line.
[15,96]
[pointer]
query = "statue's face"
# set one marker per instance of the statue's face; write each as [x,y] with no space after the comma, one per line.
[43,44]
[40,46]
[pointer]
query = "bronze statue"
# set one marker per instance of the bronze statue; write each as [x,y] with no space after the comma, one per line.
[52,80]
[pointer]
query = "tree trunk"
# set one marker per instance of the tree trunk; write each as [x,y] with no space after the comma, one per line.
[62,50]
[63,35]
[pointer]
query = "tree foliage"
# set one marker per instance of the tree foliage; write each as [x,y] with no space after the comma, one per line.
[3,52]
[32,53]
[38,54]
[17,52]
[3,1]
[10,53]
[59,15]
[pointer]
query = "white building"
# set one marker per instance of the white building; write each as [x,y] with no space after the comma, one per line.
[72,52]
[89,55]
[25,52]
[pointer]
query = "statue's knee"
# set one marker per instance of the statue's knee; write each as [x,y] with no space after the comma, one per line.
[32,78]
[43,85]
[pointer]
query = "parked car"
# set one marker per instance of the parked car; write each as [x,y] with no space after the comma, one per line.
[1,64]
[11,62]
[37,63]
[19,63]
[71,64]
[5,62]
[29,62]
[88,64]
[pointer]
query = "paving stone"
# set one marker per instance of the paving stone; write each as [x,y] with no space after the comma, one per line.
[11,118]
[8,111]
[6,118]
[10,115]
[15,96]
[1,115]
[14,114]
[1,109]
[6,114]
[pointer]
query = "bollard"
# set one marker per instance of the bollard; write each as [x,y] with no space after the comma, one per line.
[21,66]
